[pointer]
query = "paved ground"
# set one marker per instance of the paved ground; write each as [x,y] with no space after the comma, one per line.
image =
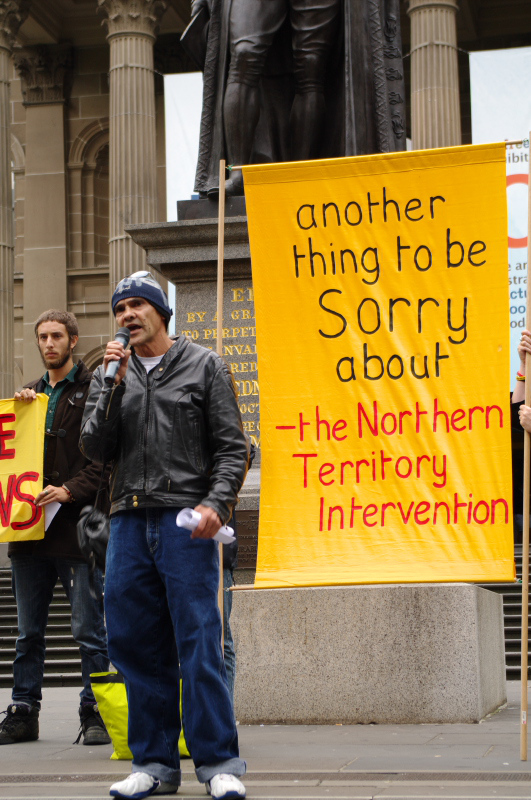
[392,762]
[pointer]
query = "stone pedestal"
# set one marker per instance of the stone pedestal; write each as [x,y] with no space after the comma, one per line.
[388,654]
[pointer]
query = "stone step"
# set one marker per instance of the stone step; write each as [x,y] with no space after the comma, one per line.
[514,586]
[62,666]
[50,679]
[8,603]
[513,601]
[55,653]
[6,587]
[513,659]
[7,641]
[513,647]
[53,628]
[59,607]
[512,633]
[59,624]
[514,619]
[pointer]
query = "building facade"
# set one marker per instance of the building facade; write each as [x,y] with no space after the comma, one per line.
[84,146]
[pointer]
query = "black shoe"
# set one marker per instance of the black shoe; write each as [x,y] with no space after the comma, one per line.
[93,728]
[20,725]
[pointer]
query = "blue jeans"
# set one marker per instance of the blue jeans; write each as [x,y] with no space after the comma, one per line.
[228,642]
[33,580]
[161,605]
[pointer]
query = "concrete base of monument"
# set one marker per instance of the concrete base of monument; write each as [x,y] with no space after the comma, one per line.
[399,653]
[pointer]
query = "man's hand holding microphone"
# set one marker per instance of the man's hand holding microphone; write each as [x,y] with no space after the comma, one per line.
[117,357]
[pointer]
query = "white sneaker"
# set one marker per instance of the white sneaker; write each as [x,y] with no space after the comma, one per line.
[136,786]
[225,787]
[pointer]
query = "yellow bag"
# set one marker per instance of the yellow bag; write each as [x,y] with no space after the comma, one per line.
[111,696]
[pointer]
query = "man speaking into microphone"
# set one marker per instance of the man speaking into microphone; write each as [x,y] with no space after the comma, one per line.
[170,424]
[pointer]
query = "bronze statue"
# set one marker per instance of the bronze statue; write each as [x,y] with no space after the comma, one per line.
[294,80]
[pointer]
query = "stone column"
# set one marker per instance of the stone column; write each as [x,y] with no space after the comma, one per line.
[435,113]
[12,15]
[131,30]
[44,72]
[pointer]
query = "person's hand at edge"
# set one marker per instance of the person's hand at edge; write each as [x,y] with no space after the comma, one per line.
[52,494]
[524,347]
[208,525]
[26,395]
[115,351]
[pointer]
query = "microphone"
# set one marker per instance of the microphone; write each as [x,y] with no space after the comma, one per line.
[122,335]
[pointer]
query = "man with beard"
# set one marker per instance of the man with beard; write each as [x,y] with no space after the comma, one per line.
[71,480]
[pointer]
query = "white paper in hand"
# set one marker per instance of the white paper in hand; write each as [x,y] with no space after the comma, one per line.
[189,519]
[50,510]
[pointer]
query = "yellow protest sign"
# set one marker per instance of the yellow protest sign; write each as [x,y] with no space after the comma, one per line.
[383,353]
[21,465]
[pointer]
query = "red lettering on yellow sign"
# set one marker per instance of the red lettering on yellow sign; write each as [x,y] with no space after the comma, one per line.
[14,491]
[5,435]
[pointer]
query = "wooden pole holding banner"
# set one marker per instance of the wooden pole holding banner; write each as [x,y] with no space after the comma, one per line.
[525,533]
[219,340]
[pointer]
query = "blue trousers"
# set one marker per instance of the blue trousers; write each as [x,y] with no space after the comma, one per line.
[161,607]
[228,642]
[33,580]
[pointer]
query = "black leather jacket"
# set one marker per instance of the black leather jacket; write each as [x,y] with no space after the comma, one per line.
[175,435]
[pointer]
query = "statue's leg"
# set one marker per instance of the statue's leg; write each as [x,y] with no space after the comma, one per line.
[253,24]
[316,30]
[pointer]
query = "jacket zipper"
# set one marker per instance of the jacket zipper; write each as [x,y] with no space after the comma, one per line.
[109,404]
[146,423]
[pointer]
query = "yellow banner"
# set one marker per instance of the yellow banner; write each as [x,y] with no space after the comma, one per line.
[21,464]
[382,315]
